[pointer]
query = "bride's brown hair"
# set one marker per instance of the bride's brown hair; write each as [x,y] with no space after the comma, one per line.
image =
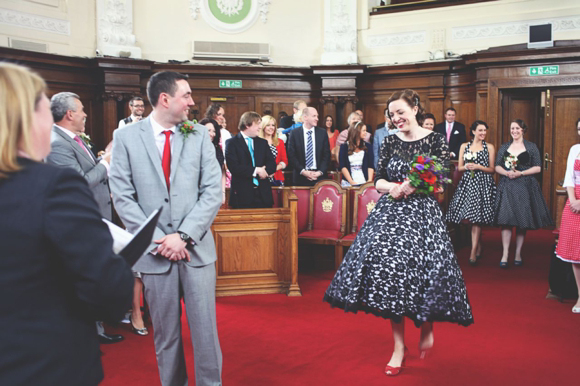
[412,99]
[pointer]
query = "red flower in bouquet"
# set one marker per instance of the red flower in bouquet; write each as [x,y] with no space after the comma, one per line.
[427,174]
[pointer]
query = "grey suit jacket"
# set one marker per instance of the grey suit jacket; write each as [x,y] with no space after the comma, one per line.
[66,152]
[139,187]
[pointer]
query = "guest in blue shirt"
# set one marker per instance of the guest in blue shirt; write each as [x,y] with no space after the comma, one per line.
[380,134]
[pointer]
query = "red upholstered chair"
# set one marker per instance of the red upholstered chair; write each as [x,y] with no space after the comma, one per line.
[303,194]
[277,196]
[327,215]
[365,199]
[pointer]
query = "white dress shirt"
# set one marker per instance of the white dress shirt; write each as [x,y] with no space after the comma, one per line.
[251,151]
[160,137]
[306,131]
[73,135]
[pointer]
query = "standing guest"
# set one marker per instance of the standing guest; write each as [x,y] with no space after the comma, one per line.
[454,132]
[213,129]
[369,127]
[165,161]
[69,150]
[250,162]
[343,136]
[58,273]
[568,246]
[475,195]
[277,147]
[216,112]
[137,107]
[383,130]
[402,263]
[356,157]
[429,122]
[331,131]
[519,202]
[309,150]
[297,108]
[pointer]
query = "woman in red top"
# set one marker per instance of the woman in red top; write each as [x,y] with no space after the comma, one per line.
[331,131]
[269,133]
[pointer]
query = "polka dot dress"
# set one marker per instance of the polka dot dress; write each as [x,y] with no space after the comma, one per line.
[475,195]
[402,261]
[519,202]
[568,241]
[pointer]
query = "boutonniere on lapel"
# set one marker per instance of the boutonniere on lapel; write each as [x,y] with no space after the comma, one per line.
[86,139]
[186,128]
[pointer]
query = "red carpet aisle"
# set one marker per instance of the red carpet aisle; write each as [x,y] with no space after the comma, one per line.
[519,337]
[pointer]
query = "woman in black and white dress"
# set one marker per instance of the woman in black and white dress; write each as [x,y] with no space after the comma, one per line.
[519,202]
[402,262]
[475,195]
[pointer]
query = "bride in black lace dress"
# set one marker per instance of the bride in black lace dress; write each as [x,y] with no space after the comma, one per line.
[402,262]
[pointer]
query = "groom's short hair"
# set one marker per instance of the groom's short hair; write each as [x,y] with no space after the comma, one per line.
[163,82]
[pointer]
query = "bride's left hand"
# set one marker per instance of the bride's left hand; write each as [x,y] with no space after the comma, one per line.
[407,188]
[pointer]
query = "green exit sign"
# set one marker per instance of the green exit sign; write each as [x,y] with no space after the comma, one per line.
[230,84]
[544,70]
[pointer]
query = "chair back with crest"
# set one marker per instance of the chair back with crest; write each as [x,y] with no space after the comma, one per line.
[327,207]
[365,199]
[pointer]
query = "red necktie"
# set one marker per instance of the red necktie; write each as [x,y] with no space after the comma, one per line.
[166,161]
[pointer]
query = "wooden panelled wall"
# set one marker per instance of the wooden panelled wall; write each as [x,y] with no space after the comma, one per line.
[473,85]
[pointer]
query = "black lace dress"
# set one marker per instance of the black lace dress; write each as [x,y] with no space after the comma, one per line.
[402,262]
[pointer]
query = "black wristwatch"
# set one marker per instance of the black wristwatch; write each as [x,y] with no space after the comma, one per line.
[184,236]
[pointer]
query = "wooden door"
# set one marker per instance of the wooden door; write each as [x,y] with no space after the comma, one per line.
[234,107]
[522,104]
[561,113]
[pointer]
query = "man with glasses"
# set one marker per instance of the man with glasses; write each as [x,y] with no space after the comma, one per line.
[137,107]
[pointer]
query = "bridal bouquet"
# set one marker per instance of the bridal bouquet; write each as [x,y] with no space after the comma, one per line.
[511,162]
[469,157]
[427,174]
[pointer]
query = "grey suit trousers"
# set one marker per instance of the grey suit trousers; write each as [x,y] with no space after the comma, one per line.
[163,293]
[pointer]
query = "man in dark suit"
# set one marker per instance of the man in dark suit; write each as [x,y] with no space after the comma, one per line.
[308,150]
[69,150]
[250,161]
[454,132]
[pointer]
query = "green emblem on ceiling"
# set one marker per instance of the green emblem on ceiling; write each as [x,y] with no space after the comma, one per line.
[230,11]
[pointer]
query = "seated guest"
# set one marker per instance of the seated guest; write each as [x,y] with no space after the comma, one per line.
[309,150]
[288,121]
[331,131]
[454,132]
[213,129]
[58,272]
[429,121]
[251,162]
[369,127]
[356,157]
[137,107]
[277,147]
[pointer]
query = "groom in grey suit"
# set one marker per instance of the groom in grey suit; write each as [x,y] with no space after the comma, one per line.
[155,164]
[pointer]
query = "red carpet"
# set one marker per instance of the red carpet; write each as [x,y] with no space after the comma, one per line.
[519,337]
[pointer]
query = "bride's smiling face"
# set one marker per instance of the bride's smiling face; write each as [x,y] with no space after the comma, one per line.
[402,115]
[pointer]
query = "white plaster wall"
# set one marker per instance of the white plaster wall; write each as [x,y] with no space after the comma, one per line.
[78,15]
[409,36]
[165,30]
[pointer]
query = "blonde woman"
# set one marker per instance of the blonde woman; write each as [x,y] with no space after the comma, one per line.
[58,272]
[269,133]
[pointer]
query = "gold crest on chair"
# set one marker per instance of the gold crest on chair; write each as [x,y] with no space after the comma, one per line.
[371,206]
[327,205]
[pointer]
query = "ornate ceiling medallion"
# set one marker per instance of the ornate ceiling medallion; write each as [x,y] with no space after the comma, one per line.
[230,16]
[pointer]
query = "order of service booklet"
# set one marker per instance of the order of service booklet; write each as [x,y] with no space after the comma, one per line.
[132,246]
